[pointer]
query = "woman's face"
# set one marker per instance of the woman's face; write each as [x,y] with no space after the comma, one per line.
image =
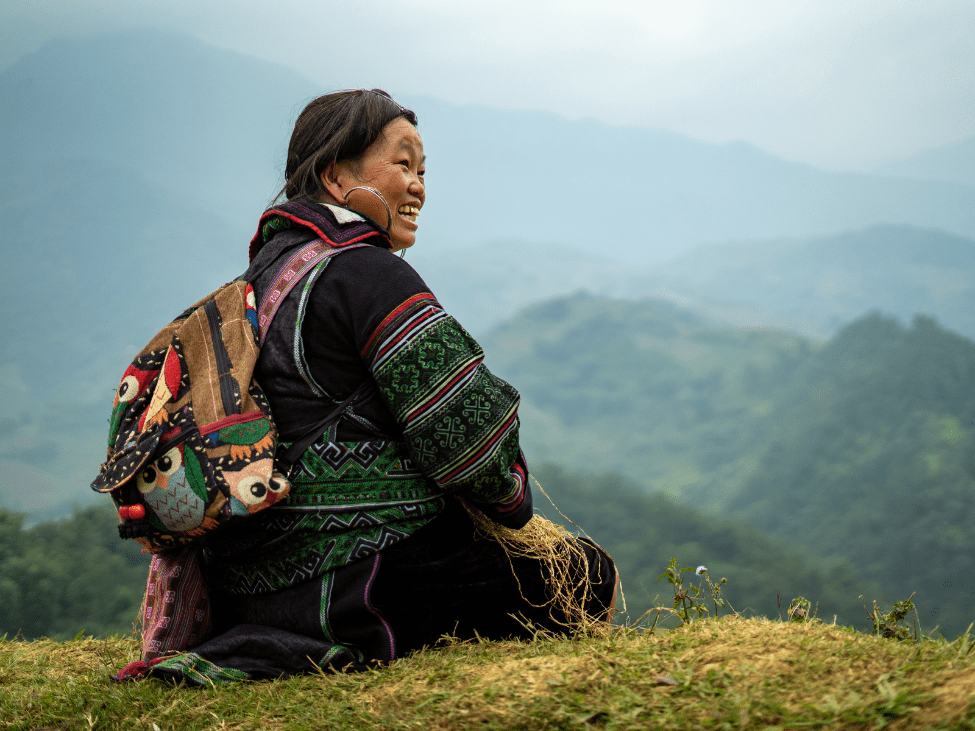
[394,165]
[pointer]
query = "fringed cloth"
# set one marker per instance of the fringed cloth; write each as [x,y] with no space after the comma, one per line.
[459,576]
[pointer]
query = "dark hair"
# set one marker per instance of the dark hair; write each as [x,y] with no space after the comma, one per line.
[332,128]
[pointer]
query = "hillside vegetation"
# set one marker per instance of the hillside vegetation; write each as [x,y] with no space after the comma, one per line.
[725,673]
[61,578]
[878,453]
[838,469]
[858,448]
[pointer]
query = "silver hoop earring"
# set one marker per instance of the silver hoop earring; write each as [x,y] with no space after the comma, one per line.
[389,213]
[402,253]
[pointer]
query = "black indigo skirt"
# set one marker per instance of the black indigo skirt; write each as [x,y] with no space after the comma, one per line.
[446,579]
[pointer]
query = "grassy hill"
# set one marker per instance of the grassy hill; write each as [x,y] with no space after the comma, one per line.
[726,673]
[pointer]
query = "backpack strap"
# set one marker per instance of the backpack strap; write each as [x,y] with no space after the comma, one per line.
[287,460]
[290,273]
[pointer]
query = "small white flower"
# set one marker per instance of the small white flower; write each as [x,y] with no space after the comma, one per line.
[701,570]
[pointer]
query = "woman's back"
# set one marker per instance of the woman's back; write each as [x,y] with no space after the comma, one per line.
[406,516]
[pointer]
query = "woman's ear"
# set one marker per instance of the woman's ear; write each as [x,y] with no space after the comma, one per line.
[334,180]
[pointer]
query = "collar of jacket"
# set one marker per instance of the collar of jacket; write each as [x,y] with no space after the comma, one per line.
[336,226]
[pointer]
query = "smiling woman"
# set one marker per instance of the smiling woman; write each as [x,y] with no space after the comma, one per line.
[409,514]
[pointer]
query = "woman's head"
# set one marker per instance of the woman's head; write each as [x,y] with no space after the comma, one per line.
[361,137]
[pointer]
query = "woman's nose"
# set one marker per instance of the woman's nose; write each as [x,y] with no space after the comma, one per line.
[417,187]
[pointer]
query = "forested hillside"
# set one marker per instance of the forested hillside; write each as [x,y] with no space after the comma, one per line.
[643,532]
[862,447]
[858,454]
[875,462]
[644,389]
[59,578]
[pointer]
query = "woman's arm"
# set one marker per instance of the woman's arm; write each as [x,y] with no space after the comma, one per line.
[459,420]
[372,315]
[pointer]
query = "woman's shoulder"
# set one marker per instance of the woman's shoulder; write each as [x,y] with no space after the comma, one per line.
[369,267]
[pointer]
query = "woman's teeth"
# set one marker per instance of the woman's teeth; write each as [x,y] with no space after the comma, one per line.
[410,212]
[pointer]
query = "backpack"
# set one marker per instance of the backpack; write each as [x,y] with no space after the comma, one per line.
[192,444]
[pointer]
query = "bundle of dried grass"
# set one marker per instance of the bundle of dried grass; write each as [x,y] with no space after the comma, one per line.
[558,550]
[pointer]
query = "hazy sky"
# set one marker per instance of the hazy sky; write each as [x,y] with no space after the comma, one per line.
[843,84]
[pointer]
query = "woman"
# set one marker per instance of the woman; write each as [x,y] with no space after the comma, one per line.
[389,537]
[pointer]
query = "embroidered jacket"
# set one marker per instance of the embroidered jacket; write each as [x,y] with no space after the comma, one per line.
[434,423]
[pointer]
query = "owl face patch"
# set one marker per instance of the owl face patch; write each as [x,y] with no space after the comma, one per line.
[252,490]
[172,488]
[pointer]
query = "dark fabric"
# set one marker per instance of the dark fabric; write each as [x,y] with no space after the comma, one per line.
[318,218]
[270,652]
[351,296]
[444,580]
[251,652]
[294,404]
[448,580]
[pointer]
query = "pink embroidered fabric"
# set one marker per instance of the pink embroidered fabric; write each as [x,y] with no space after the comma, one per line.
[176,609]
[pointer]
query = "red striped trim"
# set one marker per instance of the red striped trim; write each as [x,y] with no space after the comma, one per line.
[412,301]
[499,434]
[407,332]
[434,400]
[515,500]
[321,234]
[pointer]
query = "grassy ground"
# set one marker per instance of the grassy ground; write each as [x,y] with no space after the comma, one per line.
[717,673]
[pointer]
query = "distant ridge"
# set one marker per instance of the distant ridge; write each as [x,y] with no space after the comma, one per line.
[201,119]
[951,163]
[832,280]
[643,196]
[809,285]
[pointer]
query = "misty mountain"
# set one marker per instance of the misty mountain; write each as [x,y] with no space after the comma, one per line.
[194,119]
[641,196]
[951,163]
[813,286]
[208,122]
[822,283]
[133,167]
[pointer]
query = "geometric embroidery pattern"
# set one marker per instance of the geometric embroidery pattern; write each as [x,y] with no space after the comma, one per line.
[347,501]
[460,421]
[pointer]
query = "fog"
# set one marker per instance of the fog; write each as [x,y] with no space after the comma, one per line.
[841,85]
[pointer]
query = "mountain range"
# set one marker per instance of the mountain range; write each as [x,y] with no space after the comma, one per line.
[133,167]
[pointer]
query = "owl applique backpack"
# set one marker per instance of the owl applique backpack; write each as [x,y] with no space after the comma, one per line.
[192,444]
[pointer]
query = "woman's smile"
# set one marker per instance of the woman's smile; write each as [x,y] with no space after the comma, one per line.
[394,165]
